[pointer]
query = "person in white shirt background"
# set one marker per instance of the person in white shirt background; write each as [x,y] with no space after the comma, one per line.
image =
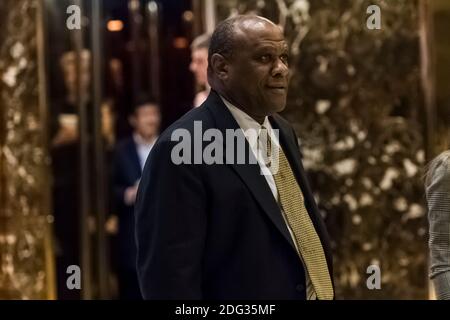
[129,160]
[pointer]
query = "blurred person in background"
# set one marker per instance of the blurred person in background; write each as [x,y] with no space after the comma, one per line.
[129,159]
[65,153]
[67,109]
[65,149]
[199,67]
[438,199]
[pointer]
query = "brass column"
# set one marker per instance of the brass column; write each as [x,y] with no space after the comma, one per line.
[26,253]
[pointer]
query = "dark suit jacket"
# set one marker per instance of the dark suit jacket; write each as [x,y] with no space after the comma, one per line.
[216,231]
[126,171]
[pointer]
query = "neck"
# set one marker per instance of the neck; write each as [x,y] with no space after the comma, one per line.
[257,118]
[147,140]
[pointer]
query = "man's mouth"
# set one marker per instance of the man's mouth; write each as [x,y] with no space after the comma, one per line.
[280,88]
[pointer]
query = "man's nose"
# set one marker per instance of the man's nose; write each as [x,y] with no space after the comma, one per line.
[280,68]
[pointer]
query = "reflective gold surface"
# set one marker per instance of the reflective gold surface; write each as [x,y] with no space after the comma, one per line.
[26,259]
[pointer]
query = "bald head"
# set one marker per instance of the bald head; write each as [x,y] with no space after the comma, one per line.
[250,22]
[230,32]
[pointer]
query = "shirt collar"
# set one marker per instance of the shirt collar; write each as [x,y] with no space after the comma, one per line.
[140,141]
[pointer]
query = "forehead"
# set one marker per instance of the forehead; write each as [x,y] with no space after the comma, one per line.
[147,108]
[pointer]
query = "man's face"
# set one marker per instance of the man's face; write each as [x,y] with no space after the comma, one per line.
[146,121]
[199,65]
[69,68]
[71,78]
[258,74]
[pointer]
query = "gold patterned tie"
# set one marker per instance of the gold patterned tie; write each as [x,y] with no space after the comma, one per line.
[292,203]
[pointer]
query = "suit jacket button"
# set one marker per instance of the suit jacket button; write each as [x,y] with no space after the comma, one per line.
[300,288]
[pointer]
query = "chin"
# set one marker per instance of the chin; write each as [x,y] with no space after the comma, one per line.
[278,107]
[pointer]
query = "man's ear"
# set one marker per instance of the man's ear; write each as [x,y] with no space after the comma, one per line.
[220,66]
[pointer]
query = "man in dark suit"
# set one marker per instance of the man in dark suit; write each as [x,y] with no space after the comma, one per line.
[232,229]
[129,158]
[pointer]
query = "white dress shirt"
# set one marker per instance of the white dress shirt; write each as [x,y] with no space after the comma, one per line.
[246,122]
[143,148]
[249,125]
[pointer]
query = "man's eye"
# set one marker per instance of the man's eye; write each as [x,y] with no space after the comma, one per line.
[285,58]
[265,58]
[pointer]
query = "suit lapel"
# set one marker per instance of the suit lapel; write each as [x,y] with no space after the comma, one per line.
[249,173]
[134,158]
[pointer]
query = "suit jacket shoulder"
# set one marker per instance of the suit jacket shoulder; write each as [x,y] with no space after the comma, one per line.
[199,115]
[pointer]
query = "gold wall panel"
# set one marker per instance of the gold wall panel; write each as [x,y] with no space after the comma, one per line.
[26,258]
